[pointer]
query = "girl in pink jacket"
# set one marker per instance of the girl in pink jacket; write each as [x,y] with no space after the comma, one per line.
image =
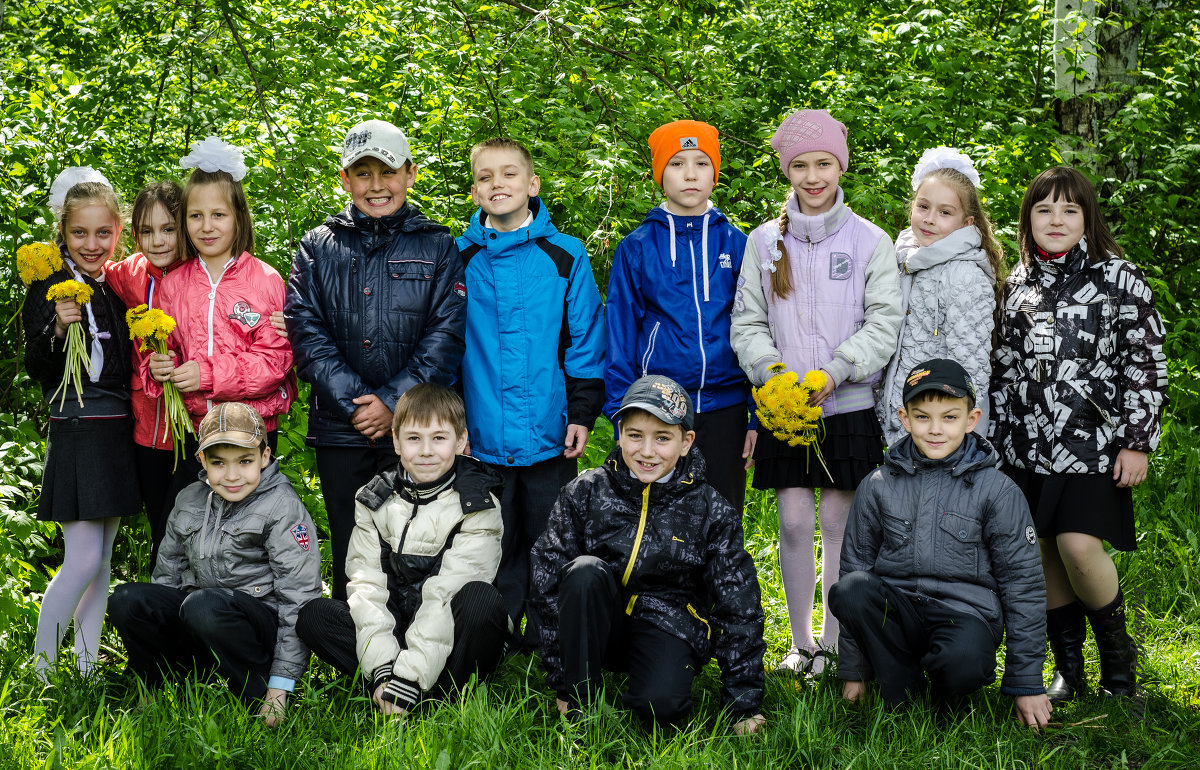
[223,347]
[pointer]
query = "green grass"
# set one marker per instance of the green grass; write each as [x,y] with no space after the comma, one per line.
[510,721]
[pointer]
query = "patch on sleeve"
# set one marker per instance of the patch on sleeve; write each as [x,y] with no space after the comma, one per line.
[1031,534]
[300,532]
[460,289]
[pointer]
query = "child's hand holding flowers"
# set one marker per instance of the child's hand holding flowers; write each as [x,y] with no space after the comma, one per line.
[68,297]
[790,407]
[152,328]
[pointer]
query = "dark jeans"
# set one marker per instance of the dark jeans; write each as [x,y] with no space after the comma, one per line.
[343,471]
[905,637]
[480,633]
[594,633]
[720,436]
[529,495]
[169,631]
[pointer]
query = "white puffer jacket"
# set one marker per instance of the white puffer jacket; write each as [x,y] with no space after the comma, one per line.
[950,302]
[413,548]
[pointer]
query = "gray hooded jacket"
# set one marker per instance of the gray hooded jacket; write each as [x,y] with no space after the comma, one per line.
[264,546]
[949,303]
[957,531]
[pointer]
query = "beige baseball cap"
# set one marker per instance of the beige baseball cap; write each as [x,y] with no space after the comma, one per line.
[232,423]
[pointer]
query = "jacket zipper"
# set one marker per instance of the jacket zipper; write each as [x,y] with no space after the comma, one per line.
[696,615]
[212,301]
[637,541]
[699,321]
[650,347]
[629,605]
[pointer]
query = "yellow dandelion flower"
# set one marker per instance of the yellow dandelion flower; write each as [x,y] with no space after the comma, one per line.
[80,292]
[815,380]
[37,262]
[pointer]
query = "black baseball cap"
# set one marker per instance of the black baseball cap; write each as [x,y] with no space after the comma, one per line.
[662,397]
[942,375]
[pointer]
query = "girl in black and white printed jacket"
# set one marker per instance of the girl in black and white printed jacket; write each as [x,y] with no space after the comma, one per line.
[1079,382]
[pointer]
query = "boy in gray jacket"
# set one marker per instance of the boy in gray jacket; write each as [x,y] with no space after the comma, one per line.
[238,560]
[941,562]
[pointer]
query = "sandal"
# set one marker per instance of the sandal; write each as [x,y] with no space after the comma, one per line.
[796,662]
[822,661]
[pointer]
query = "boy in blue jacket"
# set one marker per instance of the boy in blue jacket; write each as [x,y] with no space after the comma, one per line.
[374,305]
[670,298]
[534,361]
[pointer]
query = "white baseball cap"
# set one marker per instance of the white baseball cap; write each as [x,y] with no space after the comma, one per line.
[378,139]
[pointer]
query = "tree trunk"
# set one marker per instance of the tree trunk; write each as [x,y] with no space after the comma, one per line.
[1095,58]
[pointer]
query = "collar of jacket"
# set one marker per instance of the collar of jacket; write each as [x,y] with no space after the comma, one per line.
[472,480]
[493,240]
[1072,262]
[684,224]
[962,245]
[688,471]
[974,454]
[814,228]
[406,220]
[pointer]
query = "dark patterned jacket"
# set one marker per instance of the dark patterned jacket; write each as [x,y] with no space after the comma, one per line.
[688,573]
[958,532]
[1079,372]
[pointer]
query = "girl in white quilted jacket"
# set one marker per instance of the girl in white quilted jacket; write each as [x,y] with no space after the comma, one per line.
[949,262]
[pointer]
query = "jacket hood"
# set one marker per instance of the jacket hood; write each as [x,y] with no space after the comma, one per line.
[962,245]
[976,453]
[540,227]
[407,220]
[690,469]
[814,228]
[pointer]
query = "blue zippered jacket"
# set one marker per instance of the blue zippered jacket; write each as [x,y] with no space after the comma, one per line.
[535,340]
[670,299]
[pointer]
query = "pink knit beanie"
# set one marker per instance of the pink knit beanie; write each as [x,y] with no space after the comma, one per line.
[810,131]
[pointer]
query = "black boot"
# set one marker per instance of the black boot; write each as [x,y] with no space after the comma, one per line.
[1118,651]
[1067,629]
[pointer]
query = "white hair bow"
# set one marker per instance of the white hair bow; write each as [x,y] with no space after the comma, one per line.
[212,154]
[68,178]
[944,157]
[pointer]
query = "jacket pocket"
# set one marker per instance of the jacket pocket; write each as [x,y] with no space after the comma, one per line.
[410,270]
[959,553]
[896,531]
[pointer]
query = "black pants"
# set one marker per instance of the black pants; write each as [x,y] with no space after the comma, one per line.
[343,471]
[480,633]
[594,633]
[720,436]
[166,630]
[905,637]
[156,468]
[529,494]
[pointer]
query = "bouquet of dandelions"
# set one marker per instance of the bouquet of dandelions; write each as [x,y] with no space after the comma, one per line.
[77,352]
[784,410]
[37,262]
[152,328]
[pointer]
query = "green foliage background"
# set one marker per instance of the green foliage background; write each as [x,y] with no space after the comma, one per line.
[126,85]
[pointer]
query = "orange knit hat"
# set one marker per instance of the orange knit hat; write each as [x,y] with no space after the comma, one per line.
[683,135]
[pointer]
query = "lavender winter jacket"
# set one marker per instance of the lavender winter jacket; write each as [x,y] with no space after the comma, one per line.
[950,303]
[843,314]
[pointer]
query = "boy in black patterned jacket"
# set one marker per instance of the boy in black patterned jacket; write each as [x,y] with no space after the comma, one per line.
[643,569]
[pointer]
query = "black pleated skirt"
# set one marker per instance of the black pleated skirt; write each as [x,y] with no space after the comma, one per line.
[1090,503]
[852,447]
[90,470]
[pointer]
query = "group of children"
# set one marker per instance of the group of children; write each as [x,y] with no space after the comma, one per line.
[481,539]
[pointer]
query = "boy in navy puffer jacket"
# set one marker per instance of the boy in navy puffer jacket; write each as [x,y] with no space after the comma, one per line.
[533,368]
[670,298]
[374,306]
[941,562]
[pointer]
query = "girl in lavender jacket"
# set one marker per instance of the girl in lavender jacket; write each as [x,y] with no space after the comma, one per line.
[818,290]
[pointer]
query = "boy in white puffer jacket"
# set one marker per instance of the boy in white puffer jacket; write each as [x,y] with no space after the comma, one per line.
[949,262]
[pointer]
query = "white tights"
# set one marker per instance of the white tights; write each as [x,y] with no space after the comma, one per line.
[80,589]
[797,561]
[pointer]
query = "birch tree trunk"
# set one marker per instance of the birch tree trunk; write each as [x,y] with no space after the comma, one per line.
[1095,62]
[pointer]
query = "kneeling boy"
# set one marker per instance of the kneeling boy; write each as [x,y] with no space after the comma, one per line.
[941,561]
[422,613]
[643,569]
[238,560]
